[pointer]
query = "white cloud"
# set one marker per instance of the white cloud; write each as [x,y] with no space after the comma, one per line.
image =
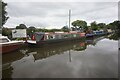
[55,14]
[61,0]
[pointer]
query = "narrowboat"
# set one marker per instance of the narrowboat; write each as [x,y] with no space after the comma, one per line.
[89,35]
[98,33]
[6,45]
[95,33]
[41,37]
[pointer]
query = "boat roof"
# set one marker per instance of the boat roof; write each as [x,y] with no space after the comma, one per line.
[10,42]
[39,32]
[3,37]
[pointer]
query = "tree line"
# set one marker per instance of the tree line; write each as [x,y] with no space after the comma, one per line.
[79,25]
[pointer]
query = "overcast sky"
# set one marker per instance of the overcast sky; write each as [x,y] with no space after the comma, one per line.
[55,14]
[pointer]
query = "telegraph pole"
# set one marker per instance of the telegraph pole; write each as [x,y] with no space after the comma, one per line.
[69,36]
[69,18]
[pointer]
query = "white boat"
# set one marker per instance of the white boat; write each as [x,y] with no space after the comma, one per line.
[6,45]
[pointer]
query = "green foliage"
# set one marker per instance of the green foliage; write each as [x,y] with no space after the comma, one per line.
[4,13]
[65,29]
[80,24]
[94,25]
[114,26]
[101,25]
[76,23]
[0,13]
[115,36]
[108,26]
[45,30]
[20,39]
[31,29]
[7,32]
[49,30]
[54,30]
[73,29]
[21,26]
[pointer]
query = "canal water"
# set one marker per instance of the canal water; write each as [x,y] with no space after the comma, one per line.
[89,58]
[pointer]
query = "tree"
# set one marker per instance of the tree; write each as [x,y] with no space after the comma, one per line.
[80,24]
[3,12]
[31,29]
[0,13]
[101,25]
[114,25]
[3,17]
[65,29]
[7,32]
[21,26]
[94,25]
[73,28]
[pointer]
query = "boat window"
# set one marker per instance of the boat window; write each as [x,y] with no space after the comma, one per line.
[47,37]
[65,36]
[74,35]
[57,36]
[4,40]
[50,36]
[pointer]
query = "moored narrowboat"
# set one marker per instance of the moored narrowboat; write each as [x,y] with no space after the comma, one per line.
[41,37]
[89,35]
[97,33]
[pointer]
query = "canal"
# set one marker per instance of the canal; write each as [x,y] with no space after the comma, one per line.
[90,58]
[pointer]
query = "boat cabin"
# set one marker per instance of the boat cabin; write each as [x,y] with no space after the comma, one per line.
[98,32]
[42,36]
[4,39]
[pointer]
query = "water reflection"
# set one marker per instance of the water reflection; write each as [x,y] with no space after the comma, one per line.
[53,49]
[115,36]
[82,59]
[59,48]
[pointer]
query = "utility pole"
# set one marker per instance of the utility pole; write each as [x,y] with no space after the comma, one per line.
[69,18]
[69,36]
